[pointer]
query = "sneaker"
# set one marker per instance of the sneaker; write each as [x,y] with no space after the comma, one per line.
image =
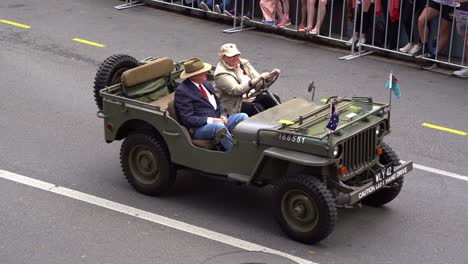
[301,28]
[268,22]
[415,50]
[430,65]
[461,73]
[227,13]
[284,23]
[407,47]
[217,9]
[361,41]
[204,7]
[351,41]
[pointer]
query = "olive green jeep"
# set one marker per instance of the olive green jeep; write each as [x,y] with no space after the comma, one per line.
[313,170]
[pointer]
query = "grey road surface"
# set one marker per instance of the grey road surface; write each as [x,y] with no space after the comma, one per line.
[49,132]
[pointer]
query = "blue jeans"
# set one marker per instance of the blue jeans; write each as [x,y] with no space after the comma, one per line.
[208,131]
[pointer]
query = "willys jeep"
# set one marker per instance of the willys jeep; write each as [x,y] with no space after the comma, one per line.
[313,169]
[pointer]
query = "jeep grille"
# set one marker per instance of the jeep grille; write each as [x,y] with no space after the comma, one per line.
[359,150]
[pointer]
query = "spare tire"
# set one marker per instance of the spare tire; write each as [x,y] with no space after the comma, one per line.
[109,73]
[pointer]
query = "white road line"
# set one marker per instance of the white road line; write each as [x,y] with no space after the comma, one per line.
[155,218]
[437,171]
[441,172]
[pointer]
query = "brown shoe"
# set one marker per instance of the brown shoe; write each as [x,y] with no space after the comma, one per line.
[220,134]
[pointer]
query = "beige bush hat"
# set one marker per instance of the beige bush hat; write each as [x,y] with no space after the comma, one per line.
[229,50]
[193,67]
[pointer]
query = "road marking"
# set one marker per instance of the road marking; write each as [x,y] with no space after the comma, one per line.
[458,132]
[440,172]
[89,42]
[155,218]
[14,23]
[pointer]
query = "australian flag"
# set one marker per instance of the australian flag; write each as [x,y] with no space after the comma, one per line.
[392,83]
[334,117]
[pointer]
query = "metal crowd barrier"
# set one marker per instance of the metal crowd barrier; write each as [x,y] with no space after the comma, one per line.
[337,25]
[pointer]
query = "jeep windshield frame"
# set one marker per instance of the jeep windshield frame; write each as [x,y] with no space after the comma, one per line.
[350,111]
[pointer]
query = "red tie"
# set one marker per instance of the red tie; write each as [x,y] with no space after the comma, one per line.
[203,91]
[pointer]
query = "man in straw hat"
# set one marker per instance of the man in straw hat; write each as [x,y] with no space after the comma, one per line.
[199,108]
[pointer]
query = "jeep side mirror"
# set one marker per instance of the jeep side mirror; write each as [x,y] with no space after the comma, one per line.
[311,89]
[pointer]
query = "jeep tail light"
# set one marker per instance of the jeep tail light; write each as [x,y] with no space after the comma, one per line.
[343,170]
[379,151]
[109,127]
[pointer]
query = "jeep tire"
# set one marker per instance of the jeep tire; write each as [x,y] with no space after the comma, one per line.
[109,73]
[304,208]
[387,193]
[146,164]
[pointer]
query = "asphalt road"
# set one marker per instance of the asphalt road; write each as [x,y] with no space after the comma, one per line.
[49,132]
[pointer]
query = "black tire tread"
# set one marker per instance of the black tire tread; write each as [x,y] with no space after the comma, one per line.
[386,195]
[106,71]
[316,186]
[159,147]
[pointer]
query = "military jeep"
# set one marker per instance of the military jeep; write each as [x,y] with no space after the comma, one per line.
[313,170]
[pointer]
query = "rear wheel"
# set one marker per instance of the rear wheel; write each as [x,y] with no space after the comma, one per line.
[109,73]
[146,164]
[304,208]
[390,192]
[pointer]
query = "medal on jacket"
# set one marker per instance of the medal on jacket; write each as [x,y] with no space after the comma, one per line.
[243,69]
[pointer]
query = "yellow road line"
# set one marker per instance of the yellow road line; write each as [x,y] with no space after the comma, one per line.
[458,132]
[14,23]
[89,42]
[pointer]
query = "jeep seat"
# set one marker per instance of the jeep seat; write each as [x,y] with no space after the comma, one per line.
[203,143]
[148,82]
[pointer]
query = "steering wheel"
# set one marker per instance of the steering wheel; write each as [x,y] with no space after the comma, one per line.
[264,86]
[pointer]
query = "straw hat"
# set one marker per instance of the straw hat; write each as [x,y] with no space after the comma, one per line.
[228,50]
[193,67]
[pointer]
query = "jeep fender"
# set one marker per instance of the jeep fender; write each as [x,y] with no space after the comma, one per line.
[275,162]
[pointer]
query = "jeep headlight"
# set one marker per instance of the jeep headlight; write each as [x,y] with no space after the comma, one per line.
[380,130]
[337,151]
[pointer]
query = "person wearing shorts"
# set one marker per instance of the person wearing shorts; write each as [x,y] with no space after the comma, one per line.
[429,13]
[461,17]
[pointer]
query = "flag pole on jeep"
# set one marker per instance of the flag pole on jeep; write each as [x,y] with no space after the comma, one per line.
[390,84]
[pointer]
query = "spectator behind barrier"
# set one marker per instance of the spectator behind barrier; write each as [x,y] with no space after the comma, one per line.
[217,6]
[321,12]
[461,16]
[408,18]
[302,26]
[280,8]
[429,13]
[235,77]
[368,12]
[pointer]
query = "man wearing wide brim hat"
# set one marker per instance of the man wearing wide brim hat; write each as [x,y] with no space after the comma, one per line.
[199,108]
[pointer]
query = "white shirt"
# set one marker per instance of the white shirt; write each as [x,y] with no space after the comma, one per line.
[211,98]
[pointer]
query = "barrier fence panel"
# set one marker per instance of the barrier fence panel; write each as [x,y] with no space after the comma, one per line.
[389,22]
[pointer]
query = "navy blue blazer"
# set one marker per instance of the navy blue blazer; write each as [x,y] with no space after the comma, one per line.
[192,107]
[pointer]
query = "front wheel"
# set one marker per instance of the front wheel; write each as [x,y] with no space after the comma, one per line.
[304,208]
[387,193]
[146,164]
